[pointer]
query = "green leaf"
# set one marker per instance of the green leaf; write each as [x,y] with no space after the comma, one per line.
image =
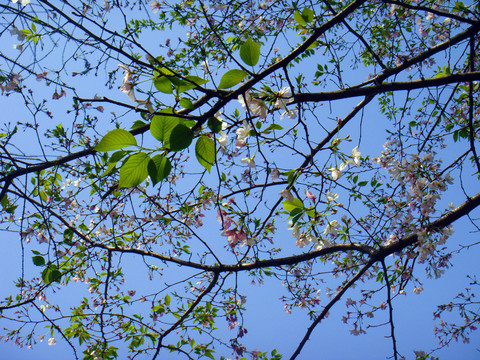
[291,205]
[186,103]
[159,168]
[162,125]
[250,52]
[137,124]
[50,275]
[114,159]
[205,152]
[167,299]
[180,138]
[116,139]
[214,124]
[305,17]
[272,127]
[192,83]
[163,84]
[231,78]
[134,170]
[299,19]
[38,260]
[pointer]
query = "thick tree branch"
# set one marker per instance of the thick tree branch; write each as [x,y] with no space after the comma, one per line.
[385,87]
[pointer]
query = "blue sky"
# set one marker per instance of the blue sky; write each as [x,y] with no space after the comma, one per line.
[268,325]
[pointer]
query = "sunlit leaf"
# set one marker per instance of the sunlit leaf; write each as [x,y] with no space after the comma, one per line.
[134,170]
[186,103]
[163,84]
[214,124]
[159,168]
[190,82]
[162,125]
[205,152]
[116,139]
[180,138]
[291,205]
[250,52]
[231,78]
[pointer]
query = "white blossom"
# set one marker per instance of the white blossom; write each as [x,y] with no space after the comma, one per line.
[249,161]
[331,196]
[332,228]
[23,2]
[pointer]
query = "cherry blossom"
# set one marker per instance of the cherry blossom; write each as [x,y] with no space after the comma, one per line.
[256,107]
[23,2]
[127,86]
[275,174]
[309,194]
[285,193]
[331,196]
[249,161]
[19,33]
[242,134]
[332,228]
[337,172]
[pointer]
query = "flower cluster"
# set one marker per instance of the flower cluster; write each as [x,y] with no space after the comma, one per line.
[256,107]
[354,159]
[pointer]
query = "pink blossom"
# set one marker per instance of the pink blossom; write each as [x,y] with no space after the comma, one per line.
[285,193]
[255,106]
[18,32]
[310,195]
[41,76]
[350,302]
[275,174]
[155,6]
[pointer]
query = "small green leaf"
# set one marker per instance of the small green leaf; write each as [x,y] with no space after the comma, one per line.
[114,159]
[205,152]
[186,103]
[192,83]
[163,84]
[137,124]
[271,128]
[50,275]
[250,52]
[305,17]
[167,299]
[38,260]
[116,139]
[56,275]
[134,170]
[291,205]
[159,168]
[299,19]
[180,138]
[231,78]
[214,124]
